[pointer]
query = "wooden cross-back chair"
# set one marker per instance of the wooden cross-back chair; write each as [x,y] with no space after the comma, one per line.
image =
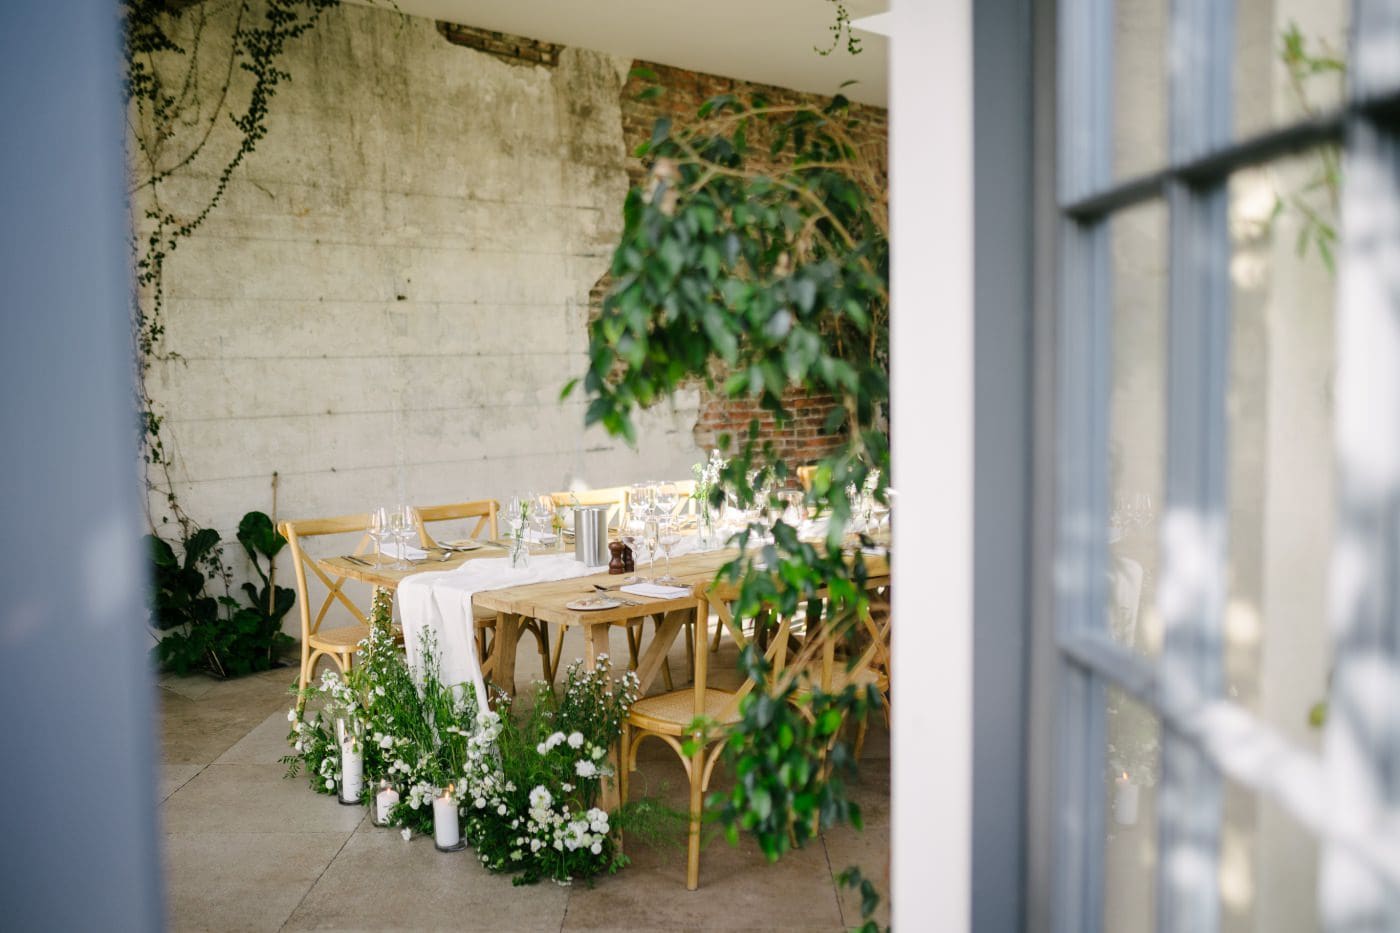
[338,644]
[668,716]
[615,497]
[858,654]
[485,511]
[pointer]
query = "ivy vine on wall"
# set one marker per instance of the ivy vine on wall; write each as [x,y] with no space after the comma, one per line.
[185,74]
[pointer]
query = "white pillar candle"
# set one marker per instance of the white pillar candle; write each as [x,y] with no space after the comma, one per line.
[446,833]
[352,772]
[1125,801]
[384,801]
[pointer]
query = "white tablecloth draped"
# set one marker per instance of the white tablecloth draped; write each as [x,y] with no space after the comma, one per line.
[442,602]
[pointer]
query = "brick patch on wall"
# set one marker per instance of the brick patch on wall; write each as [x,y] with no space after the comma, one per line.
[503,45]
[801,440]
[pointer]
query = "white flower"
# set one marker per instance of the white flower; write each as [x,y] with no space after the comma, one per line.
[292,714]
[597,848]
[542,748]
[540,798]
[501,810]
[479,803]
[586,768]
[330,784]
[406,833]
[568,788]
[575,739]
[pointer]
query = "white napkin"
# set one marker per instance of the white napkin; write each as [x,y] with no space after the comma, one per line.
[402,551]
[442,602]
[657,590]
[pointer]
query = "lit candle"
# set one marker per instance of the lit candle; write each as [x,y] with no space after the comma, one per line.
[446,831]
[1125,801]
[384,801]
[352,771]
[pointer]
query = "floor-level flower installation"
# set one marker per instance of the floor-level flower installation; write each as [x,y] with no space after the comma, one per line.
[522,790]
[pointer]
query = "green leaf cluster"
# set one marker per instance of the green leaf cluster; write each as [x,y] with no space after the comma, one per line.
[218,634]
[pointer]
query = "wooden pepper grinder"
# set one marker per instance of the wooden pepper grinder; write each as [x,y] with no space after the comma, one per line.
[628,564]
[616,565]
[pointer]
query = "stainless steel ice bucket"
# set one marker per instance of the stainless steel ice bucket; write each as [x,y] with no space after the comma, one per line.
[591,534]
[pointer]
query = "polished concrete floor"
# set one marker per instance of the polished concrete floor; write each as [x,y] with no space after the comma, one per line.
[247,849]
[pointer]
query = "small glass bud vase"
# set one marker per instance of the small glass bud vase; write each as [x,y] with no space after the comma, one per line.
[519,553]
[706,526]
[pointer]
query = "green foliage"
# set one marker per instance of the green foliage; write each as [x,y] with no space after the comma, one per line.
[218,634]
[756,261]
[869,898]
[1317,201]
[842,26]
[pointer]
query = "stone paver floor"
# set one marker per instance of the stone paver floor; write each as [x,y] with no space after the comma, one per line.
[246,849]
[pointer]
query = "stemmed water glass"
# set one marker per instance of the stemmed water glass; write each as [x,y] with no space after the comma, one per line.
[631,535]
[669,535]
[378,530]
[651,535]
[401,526]
[666,497]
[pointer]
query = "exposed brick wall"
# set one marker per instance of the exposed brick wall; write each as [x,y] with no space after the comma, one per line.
[801,440]
[798,441]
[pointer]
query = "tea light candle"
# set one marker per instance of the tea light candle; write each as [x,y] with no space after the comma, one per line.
[446,831]
[384,801]
[352,772]
[1125,801]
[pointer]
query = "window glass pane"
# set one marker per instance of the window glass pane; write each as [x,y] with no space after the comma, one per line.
[1137,423]
[1290,58]
[1130,849]
[1268,868]
[1280,411]
[1139,86]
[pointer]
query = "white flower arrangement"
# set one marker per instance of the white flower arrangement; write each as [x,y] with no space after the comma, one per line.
[527,792]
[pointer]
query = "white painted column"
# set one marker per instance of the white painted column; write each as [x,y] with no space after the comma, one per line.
[932,436]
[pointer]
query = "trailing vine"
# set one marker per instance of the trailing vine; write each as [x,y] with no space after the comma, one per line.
[172,122]
[841,27]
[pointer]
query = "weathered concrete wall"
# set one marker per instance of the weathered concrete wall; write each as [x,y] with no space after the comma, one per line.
[394,290]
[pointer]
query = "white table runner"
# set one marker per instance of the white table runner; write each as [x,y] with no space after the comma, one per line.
[442,602]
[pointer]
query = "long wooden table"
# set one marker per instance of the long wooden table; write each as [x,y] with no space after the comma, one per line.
[546,602]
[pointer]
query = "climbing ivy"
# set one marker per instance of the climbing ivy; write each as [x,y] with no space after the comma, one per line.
[173,115]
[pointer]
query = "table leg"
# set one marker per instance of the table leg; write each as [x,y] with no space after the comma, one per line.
[654,658]
[503,652]
[595,642]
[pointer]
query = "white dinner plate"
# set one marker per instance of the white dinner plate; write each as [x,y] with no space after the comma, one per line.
[594,602]
[462,544]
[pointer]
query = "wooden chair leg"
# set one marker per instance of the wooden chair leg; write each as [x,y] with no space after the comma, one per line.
[632,640]
[692,865]
[860,734]
[719,631]
[690,648]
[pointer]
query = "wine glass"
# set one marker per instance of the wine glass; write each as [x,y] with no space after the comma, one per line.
[514,511]
[669,535]
[543,515]
[630,534]
[667,497]
[401,526]
[651,534]
[378,530]
[638,499]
